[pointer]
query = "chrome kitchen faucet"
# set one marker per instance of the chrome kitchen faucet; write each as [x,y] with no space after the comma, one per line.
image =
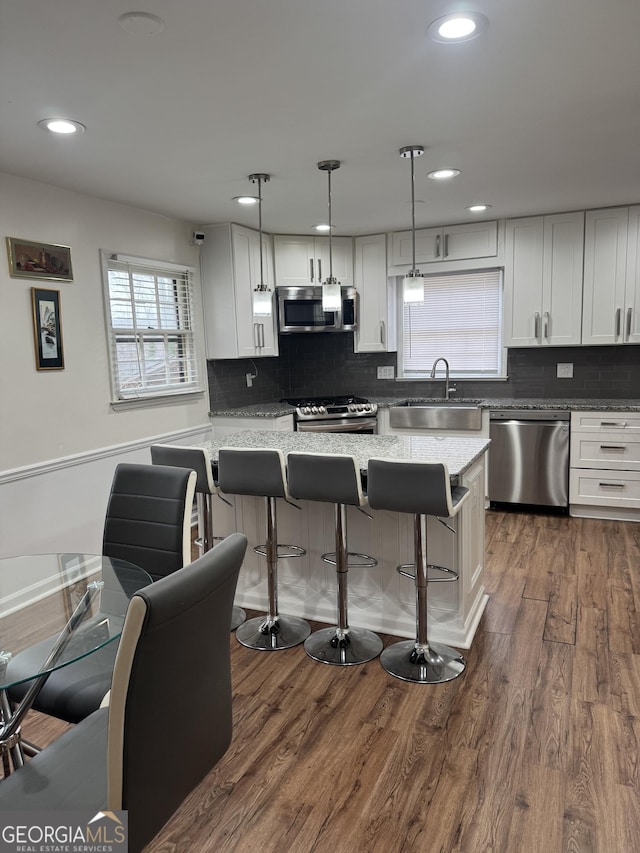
[447,388]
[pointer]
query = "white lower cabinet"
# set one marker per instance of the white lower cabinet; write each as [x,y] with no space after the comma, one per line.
[379,597]
[604,479]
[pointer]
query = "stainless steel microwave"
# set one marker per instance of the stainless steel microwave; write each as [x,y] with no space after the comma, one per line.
[300,310]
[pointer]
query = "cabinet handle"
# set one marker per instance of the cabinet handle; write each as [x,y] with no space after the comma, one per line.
[446,245]
[260,334]
[256,339]
[311,268]
[628,323]
[319,271]
[437,245]
[536,325]
[617,322]
[613,423]
[382,332]
[547,324]
[613,447]
[612,485]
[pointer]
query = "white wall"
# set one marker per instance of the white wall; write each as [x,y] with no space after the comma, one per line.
[52,414]
[59,438]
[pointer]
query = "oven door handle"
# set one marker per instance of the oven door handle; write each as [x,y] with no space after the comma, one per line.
[353,425]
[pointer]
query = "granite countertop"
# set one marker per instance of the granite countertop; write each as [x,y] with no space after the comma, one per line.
[257,410]
[521,403]
[459,454]
[277,409]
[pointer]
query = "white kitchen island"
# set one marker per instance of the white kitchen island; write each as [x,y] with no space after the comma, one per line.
[379,598]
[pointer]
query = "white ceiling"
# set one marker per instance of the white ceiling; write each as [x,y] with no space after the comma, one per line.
[541,113]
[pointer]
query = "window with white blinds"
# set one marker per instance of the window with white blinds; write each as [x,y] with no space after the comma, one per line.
[150,328]
[460,320]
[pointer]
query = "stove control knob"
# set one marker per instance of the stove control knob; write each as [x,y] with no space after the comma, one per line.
[314,410]
[360,407]
[351,407]
[367,407]
[322,410]
[306,410]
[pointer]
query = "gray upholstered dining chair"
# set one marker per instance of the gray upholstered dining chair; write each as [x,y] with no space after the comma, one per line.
[148,523]
[198,459]
[175,642]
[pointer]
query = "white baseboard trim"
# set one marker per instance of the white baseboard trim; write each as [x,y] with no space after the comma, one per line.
[50,465]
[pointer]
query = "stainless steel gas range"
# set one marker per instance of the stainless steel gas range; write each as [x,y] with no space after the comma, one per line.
[335,414]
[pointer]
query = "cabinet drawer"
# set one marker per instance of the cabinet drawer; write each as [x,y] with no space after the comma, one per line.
[606,421]
[607,450]
[604,488]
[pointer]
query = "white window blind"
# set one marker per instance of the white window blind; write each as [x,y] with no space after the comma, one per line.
[460,320]
[150,328]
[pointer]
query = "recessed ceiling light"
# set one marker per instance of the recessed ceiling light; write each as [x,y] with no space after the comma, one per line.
[323,227]
[443,174]
[141,23]
[61,125]
[246,199]
[460,26]
[478,208]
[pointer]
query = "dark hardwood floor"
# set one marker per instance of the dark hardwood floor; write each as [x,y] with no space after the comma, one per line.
[534,748]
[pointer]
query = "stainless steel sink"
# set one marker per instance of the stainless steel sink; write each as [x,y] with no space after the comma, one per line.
[437,414]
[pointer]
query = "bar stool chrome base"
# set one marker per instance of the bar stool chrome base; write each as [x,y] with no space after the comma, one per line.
[364,561]
[343,648]
[267,634]
[291,551]
[434,663]
[238,616]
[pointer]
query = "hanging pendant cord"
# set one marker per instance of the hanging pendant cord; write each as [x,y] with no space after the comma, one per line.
[413,215]
[260,228]
[330,229]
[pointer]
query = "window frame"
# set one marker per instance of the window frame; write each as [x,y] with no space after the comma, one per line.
[455,373]
[146,396]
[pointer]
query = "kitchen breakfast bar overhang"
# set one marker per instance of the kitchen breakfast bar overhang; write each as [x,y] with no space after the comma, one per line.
[379,598]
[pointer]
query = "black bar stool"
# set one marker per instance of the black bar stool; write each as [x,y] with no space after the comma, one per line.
[199,460]
[335,479]
[422,489]
[262,473]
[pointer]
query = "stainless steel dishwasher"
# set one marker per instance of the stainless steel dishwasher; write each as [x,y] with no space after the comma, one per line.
[529,457]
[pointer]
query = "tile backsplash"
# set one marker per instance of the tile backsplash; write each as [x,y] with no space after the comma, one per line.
[326,364]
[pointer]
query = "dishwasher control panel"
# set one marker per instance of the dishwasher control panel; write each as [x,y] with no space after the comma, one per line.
[530,415]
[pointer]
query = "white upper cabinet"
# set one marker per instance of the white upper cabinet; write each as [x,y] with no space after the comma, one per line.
[612,276]
[450,243]
[303,260]
[230,266]
[376,331]
[543,280]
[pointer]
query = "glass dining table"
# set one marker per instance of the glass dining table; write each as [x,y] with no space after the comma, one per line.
[64,605]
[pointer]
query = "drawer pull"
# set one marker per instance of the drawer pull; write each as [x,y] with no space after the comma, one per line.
[612,485]
[613,447]
[613,423]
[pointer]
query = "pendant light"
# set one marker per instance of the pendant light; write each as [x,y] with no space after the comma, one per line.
[262,296]
[331,294]
[413,286]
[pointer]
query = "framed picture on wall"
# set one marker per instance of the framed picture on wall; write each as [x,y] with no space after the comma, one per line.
[47,329]
[39,260]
